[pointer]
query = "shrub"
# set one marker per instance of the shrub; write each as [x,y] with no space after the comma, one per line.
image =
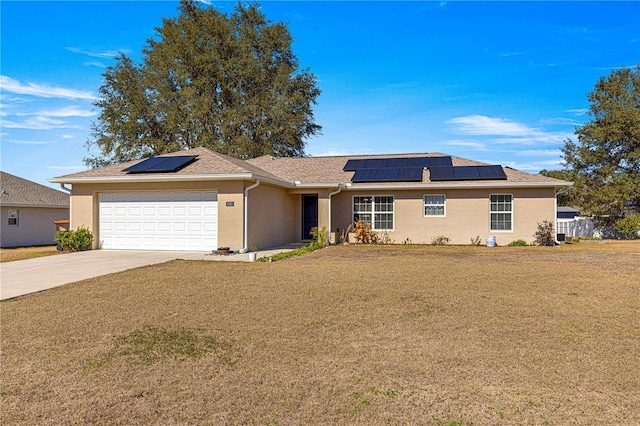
[440,240]
[628,226]
[475,241]
[320,237]
[518,243]
[77,240]
[544,235]
[364,233]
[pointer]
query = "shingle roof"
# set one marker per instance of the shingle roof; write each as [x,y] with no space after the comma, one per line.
[299,170]
[329,170]
[16,191]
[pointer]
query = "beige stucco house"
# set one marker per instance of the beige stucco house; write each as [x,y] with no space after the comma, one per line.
[202,200]
[28,211]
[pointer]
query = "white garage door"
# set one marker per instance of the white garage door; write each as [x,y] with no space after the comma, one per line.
[159,221]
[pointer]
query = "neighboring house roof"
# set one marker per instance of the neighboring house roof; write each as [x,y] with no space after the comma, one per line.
[296,172]
[18,192]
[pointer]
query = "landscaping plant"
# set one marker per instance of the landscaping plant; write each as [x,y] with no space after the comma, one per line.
[628,226]
[544,235]
[77,240]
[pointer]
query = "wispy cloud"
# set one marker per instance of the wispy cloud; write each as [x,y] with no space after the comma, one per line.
[578,111]
[42,90]
[39,123]
[68,111]
[25,142]
[489,126]
[105,54]
[94,64]
[467,144]
[505,131]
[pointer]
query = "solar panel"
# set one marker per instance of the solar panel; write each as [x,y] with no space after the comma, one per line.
[353,165]
[387,174]
[410,174]
[441,173]
[491,172]
[466,172]
[162,164]
[444,161]
[375,163]
[364,175]
[396,162]
[144,165]
[418,162]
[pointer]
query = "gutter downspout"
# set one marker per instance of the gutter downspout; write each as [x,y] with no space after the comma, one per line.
[70,204]
[555,212]
[331,194]
[246,216]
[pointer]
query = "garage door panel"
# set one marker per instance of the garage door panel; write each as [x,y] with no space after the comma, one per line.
[159,221]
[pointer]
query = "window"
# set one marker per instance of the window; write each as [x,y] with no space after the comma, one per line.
[501,212]
[13,218]
[377,210]
[434,205]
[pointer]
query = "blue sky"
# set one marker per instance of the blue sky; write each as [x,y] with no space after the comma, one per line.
[500,82]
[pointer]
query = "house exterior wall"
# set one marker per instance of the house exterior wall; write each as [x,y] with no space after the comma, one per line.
[272,217]
[35,226]
[85,205]
[467,214]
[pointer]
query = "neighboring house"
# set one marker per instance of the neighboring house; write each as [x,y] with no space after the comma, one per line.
[202,200]
[28,211]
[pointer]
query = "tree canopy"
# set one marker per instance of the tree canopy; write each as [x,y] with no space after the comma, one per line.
[230,83]
[605,161]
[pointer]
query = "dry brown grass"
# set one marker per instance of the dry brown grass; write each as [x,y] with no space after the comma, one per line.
[22,253]
[345,335]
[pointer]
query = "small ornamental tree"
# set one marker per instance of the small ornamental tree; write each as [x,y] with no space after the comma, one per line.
[544,235]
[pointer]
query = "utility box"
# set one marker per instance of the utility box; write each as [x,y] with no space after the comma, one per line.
[62,225]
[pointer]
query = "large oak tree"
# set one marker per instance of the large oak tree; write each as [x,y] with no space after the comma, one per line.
[605,161]
[230,83]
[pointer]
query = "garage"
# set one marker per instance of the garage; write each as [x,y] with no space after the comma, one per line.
[185,221]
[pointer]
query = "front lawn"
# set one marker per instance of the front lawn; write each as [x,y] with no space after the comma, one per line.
[343,335]
[22,253]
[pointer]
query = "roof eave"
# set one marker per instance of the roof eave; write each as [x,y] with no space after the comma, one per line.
[479,185]
[36,206]
[168,178]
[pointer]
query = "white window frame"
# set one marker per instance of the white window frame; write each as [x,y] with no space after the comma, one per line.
[15,215]
[492,212]
[443,205]
[373,211]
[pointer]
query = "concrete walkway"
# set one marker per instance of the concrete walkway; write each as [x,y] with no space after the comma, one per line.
[33,275]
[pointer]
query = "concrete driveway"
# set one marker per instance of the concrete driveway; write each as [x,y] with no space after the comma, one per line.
[32,275]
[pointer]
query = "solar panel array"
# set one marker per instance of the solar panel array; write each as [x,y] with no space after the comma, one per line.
[162,164]
[467,173]
[410,169]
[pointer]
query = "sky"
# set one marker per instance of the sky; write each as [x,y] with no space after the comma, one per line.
[501,82]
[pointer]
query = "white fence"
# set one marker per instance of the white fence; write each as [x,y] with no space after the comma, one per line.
[576,227]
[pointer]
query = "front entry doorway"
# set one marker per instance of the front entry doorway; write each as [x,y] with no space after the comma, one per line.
[309,215]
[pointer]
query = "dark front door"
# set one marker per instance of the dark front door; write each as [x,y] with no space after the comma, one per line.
[309,215]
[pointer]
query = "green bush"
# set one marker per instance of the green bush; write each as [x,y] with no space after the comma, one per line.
[628,226]
[77,240]
[475,241]
[320,237]
[518,243]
